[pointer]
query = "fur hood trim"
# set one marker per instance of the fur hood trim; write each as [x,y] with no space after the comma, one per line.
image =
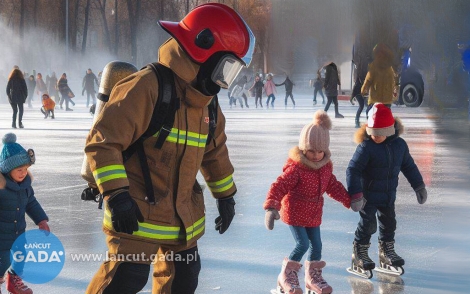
[296,155]
[362,135]
[3,181]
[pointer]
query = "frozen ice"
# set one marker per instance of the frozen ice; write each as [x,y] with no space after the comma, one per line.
[433,238]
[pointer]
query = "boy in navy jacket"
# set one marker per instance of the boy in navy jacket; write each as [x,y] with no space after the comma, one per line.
[373,172]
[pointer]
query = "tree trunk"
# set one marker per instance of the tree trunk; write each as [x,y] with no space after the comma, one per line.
[22,12]
[73,27]
[35,16]
[107,38]
[116,29]
[133,23]
[85,26]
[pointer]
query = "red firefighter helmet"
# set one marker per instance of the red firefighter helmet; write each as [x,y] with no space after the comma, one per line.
[211,28]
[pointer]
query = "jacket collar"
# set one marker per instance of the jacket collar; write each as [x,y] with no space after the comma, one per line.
[7,182]
[296,155]
[172,56]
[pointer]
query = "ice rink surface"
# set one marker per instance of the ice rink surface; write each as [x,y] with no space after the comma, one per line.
[433,238]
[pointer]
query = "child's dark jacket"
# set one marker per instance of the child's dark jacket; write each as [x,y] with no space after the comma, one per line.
[17,200]
[374,168]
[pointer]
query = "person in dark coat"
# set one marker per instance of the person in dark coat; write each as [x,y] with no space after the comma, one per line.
[289,86]
[17,91]
[373,172]
[360,72]
[88,84]
[16,200]
[52,88]
[317,88]
[331,84]
[258,89]
[64,90]
[41,87]
[31,84]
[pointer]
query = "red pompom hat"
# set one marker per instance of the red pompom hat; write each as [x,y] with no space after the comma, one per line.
[380,121]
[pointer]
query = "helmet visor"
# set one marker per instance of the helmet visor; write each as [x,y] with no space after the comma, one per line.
[226,71]
[251,47]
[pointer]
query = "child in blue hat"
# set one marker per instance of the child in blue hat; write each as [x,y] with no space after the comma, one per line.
[16,200]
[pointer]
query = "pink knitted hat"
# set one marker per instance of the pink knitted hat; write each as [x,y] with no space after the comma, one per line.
[380,121]
[316,135]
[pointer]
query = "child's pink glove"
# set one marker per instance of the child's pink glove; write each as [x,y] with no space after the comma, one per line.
[271,215]
[357,202]
[44,226]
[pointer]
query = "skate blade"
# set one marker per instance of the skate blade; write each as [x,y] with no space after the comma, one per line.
[278,290]
[391,270]
[308,291]
[367,274]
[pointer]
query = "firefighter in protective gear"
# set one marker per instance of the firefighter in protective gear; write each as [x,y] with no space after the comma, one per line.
[206,51]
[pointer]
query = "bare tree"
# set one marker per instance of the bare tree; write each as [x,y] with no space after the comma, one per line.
[22,12]
[134,16]
[85,26]
[102,9]
[73,27]
[35,15]
[116,28]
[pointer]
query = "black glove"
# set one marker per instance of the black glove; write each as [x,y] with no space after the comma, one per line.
[124,212]
[421,194]
[226,208]
[90,193]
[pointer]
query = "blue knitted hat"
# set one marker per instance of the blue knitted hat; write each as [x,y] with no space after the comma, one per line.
[13,155]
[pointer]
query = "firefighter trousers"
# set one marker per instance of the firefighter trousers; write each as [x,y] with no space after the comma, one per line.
[175,268]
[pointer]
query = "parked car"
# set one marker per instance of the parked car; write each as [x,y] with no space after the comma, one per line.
[411,87]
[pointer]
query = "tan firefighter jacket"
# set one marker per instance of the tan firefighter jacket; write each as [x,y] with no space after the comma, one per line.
[177,217]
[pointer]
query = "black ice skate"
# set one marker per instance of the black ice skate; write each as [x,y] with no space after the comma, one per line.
[389,261]
[361,264]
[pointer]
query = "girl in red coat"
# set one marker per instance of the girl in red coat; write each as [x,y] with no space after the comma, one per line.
[298,195]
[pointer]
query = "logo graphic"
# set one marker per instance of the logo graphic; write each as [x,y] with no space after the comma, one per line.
[206,119]
[37,256]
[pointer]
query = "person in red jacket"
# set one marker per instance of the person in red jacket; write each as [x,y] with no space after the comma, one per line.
[297,198]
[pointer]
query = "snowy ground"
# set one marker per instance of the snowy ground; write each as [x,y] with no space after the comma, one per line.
[433,238]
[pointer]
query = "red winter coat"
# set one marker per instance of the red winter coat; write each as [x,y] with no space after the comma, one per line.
[298,191]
